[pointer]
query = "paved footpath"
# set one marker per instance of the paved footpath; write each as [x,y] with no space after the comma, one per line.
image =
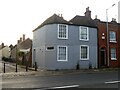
[10,71]
[40,72]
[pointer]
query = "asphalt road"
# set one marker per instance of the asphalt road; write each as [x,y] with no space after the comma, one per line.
[73,81]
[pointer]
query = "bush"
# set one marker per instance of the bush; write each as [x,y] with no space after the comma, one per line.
[8,59]
[5,59]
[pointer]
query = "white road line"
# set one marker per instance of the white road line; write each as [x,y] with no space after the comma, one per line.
[61,87]
[112,82]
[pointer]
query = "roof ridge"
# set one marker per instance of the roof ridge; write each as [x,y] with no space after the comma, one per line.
[83,20]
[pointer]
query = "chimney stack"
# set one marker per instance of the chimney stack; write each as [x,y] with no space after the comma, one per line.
[2,45]
[88,13]
[96,19]
[114,20]
[20,39]
[23,37]
[95,16]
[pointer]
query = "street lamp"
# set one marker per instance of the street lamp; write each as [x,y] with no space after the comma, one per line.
[108,33]
[16,59]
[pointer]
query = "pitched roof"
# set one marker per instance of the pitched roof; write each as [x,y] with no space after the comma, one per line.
[25,44]
[83,20]
[77,20]
[53,19]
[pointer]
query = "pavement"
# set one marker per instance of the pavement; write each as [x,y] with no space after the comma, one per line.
[41,72]
[10,71]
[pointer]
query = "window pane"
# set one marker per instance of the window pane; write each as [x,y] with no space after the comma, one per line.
[83,33]
[112,36]
[84,52]
[62,53]
[62,31]
[113,53]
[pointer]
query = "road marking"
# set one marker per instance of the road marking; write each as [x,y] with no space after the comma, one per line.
[71,86]
[112,82]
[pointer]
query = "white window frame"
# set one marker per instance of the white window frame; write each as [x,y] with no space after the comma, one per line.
[113,39]
[66,32]
[80,33]
[87,52]
[115,54]
[58,52]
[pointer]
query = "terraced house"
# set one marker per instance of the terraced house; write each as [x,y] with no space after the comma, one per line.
[61,44]
[109,45]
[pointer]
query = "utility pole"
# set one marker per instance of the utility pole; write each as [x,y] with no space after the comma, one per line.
[107,29]
[16,58]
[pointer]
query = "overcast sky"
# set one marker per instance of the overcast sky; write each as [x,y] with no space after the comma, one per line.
[19,17]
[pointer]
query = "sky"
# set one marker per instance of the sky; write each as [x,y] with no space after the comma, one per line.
[18,17]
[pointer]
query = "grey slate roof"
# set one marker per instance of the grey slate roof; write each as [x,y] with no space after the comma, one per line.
[83,21]
[26,44]
[52,20]
[77,20]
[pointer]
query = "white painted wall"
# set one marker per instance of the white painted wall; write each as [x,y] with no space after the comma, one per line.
[5,52]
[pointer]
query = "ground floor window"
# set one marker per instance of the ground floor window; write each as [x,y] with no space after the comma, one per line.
[62,53]
[84,52]
[113,53]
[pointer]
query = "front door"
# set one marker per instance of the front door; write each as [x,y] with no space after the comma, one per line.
[103,57]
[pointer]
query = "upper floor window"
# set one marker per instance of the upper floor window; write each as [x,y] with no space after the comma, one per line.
[83,33]
[112,36]
[62,31]
[113,53]
[84,52]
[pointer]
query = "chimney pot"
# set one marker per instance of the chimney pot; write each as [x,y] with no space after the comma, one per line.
[95,16]
[61,15]
[87,9]
[58,14]
[2,45]
[23,37]
[113,20]
[88,13]
[20,39]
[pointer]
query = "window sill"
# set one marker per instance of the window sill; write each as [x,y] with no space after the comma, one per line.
[62,60]
[84,40]
[113,41]
[113,59]
[63,38]
[84,59]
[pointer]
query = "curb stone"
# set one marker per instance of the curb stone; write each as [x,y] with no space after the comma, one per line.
[51,72]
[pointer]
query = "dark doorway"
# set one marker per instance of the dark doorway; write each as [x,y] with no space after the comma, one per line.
[103,57]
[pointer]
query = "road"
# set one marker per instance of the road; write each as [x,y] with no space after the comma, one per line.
[107,79]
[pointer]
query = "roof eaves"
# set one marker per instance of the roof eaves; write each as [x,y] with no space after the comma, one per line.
[54,19]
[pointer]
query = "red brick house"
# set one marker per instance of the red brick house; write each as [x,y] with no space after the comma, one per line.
[114,44]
